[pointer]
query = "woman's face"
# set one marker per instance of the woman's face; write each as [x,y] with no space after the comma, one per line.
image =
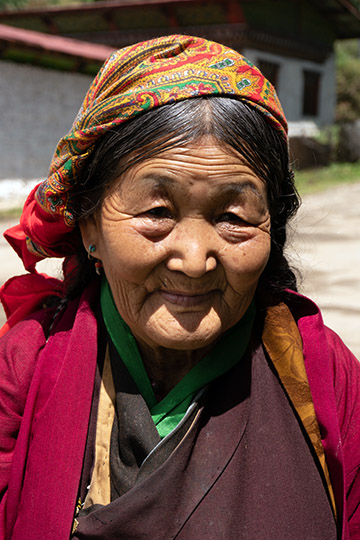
[183,237]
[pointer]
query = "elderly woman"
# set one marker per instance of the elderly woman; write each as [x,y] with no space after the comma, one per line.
[174,384]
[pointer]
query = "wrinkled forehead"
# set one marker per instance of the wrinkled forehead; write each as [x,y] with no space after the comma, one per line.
[202,168]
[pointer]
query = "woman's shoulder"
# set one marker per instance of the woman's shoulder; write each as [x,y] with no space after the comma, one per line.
[20,350]
[333,370]
[315,334]
[38,344]
[20,346]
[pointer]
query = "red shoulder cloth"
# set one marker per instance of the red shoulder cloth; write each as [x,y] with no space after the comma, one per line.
[23,295]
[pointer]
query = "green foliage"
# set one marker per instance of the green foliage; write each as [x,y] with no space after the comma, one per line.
[355,3]
[322,178]
[18,4]
[12,4]
[10,213]
[348,80]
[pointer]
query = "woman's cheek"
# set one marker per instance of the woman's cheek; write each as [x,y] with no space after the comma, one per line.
[251,257]
[153,230]
[129,256]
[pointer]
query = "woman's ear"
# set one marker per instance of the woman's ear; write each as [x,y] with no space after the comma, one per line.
[89,229]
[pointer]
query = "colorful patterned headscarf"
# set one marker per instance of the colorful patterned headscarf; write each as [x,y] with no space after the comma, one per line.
[132,81]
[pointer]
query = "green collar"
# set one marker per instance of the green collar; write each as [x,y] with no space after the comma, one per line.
[169,411]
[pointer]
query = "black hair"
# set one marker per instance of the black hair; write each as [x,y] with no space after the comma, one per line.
[231,122]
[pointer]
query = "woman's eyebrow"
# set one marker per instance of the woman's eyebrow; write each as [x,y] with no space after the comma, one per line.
[157,181]
[232,190]
[153,183]
[227,192]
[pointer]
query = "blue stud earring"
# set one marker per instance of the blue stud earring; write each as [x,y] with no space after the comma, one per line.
[98,264]
[91,250]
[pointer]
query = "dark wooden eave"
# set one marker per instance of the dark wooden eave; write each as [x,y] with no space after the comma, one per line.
[72,54]
[118,23]
[344,16]
[105,11]
[57,44]
[101,22]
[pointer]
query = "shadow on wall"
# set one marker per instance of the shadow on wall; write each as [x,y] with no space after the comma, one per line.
[306,152]
[349,142]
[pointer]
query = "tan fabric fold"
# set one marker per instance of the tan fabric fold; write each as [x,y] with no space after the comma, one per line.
[99,491]
[283,343]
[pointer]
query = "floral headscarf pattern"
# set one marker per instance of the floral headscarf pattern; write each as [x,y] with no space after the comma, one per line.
[132,81]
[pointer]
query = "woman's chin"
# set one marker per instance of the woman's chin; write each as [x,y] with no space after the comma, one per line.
[184,332]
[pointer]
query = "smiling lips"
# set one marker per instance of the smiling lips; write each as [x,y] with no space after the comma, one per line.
[187,299]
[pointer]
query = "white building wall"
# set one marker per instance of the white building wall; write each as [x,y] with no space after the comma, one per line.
[290,85]
[37,107]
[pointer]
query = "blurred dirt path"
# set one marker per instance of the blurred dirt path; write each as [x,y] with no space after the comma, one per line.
[324,244]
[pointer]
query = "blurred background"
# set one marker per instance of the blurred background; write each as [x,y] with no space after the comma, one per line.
[309,50]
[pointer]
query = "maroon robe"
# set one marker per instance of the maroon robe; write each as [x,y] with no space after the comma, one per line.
[46,393]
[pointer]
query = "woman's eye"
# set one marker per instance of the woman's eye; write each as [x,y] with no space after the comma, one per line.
[160,212]
[229,217]
[156,222]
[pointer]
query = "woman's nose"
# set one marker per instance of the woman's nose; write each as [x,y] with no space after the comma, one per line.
[192,249]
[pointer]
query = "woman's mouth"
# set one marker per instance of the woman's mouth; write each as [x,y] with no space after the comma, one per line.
[187,300]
